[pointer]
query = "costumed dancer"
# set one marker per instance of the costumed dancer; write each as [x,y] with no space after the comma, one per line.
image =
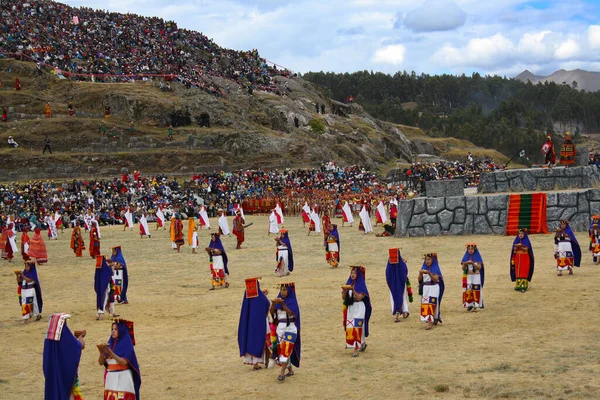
[104,287]
[472,278]
[77,243]
[431,289]
[393,212]
[286,317]
[177,226]
[10,245]
[315,221]
[347,214]
[285,255]
[62,353]
[128,219]
[564,225]
[120,275]
[365,220]
[568,151]
[563,252]
[122,379]
[144,229]
[332,247]
[25,243]
[396,275]
[3,241]
[273,226]
[594,234]
[279,213]
[217,261]
[37,247]
[203,218]
[239,228]
[381,214]
[305,214]
[223,225]
[160,219]
[31,292]
[253,329]
[326,223]
[193,234]
[356,310]
[548,151]
[94,240]
[522,261]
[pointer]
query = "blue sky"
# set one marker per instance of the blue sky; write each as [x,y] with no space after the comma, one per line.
[501,37]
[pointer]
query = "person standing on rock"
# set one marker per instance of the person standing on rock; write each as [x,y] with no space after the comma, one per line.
[549,154]
[47,146]
[317,107]
[170,138]
[322,108]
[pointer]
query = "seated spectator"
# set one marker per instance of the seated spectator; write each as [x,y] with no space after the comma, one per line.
[11,143]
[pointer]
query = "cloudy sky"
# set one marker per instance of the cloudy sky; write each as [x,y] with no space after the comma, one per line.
[433,36]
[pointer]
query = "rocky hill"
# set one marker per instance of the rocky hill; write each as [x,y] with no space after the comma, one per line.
[246,130]
[586,80]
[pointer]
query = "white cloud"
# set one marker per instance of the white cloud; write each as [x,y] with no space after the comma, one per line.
[392,54]
[435,15]
[483,52]
[567,49]
[593,36]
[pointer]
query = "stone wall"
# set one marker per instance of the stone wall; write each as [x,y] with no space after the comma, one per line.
[481,215]
[546,179]
[450,188]
[460,215]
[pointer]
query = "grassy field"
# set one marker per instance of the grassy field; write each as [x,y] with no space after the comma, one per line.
[541,344]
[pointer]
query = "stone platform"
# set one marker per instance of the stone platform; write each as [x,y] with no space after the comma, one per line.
[454,187]
[546,179]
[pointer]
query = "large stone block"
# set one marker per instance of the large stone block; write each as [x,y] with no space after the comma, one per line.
[420,205]
[577,182]
[481,226]
[472,205]
[445,218]
[500,176]
[418,220]
[455,187]
[459,216]
[452,203]
[497,202]
[502,218]
[417,232]
[433,229]
[583,206]
[580,222]
[456,229]
[545,184]
[554,213]
[529,182]
[568,213]
[435,205]
[516,185]
[483,205]
[594,207]
[567,199]
[563,183]
[499,230]
[468,226]
[493,217]
[502,187]
[593,194]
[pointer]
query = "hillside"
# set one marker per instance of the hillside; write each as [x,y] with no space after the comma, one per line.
[586,80]
[247,130]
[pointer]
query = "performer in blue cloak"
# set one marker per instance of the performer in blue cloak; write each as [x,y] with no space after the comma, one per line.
[396,275]
[62,352]
[332,247]
[357,310]
[254,325]
[285,255]
[31,292]
[473,278]
[120,275]
[218,262]
[566,228]
[522,261]
[431,288]
[104,287]
[286,315]
[122,379]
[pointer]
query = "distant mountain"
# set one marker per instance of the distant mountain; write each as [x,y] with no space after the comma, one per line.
[586,80]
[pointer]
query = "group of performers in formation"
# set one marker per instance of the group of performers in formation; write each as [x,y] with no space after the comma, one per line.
[567,152]
[269,332]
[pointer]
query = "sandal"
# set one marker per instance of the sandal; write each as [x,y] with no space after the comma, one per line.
[290,373]
[256,367]
[405,315]
[363,347]
[38,317]
[281,377]
[355,355]
[226,285]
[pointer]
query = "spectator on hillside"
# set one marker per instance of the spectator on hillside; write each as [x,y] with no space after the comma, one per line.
[47,146]
[4,114]
[322,108]
[11,143]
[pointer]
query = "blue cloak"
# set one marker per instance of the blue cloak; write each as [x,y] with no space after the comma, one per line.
[360,286]
[435,269]
[292,303]
[123,347]
[476,258]
[102,279]
[252,329]
[286,240]
[525,242]
[574,245]
[395,275]
[32,274]
[334,232]
[121,260]
[217,244]
[61,360]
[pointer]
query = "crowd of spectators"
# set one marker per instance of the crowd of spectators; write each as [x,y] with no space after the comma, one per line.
[84,44]
[258,191]
[470,171]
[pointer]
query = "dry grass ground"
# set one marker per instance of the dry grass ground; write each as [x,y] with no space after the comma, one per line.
[541,344]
